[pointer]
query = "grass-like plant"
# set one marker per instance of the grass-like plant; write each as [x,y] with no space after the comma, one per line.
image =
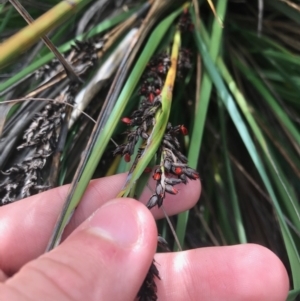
[238,98]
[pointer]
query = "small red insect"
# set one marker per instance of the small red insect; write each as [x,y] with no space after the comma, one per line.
[156,176]
[147,169]
[183,130]
[178,170]
[151,97]
[127,157]
[126,120]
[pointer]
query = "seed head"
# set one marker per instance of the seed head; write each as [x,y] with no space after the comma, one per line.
[170,189]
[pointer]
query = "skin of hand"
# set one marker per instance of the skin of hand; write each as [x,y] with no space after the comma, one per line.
[109,245]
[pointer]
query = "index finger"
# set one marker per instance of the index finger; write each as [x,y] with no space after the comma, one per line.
[25,226]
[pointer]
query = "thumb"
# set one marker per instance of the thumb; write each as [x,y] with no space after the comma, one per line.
[106,258]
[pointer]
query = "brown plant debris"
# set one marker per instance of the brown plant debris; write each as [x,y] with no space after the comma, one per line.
[148,290]
[40,139]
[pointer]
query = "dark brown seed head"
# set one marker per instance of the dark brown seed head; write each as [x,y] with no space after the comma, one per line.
[191,173]
[183,178]
[162,243]
[152,201]
[170,189]
[172,181]
[159,190]
[167,165]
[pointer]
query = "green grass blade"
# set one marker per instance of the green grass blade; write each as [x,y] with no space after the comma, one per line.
[99,144]
[103,26]
[230,180]
[293,295]
[291,248]
[206,86]
[200,117]
[6,19]
[40,27]
[270,100]
[285,9]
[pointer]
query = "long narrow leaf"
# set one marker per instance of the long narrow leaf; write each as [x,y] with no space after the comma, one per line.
[204,99]
[245,136]
[97,143]
[33,32]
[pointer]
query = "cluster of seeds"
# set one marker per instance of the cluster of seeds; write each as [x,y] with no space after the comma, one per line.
[173,167]
[143,118]
[184,62]
[82,55]
[148,290]
[40,139]
[24,179]
[185,22]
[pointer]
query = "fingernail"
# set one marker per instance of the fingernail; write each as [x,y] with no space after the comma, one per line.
[116,222]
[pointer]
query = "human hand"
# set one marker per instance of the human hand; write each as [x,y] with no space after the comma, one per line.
[109,245]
